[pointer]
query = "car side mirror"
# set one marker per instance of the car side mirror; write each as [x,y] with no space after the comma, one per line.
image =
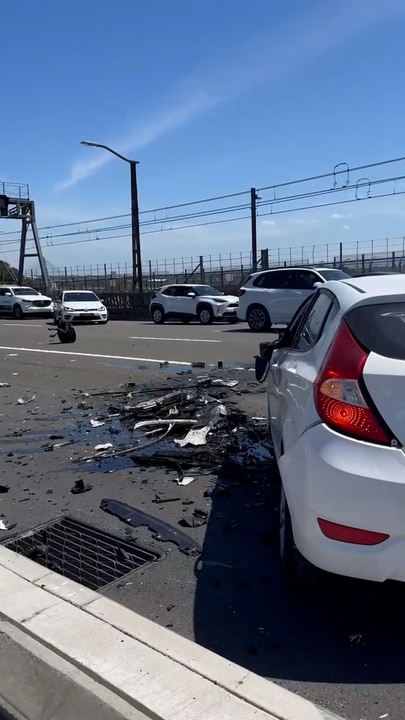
[266,349]
[101,300]
[191,295]
[317,284]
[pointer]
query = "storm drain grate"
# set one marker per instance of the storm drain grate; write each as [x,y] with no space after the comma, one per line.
[81,552]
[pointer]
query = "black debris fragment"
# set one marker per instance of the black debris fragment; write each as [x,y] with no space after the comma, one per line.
[161,500]
[162,530]
[4,488]
[79,487]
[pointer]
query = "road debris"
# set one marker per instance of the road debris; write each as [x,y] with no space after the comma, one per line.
[103,446]
[5,385]
[25,401]
[162,531]
[96,423]
[5,524]
[4,488]
[79,487]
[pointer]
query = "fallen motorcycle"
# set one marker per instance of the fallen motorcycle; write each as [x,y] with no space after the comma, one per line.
[65,332]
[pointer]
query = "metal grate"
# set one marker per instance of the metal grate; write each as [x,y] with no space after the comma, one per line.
[82,553]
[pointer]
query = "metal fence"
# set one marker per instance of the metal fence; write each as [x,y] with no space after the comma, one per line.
[229,270]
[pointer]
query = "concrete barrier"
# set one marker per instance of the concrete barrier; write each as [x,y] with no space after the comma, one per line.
[66,651]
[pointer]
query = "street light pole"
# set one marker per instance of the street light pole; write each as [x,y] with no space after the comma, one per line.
[137,276]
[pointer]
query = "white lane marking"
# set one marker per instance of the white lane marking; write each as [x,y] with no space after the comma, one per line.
[21,325]
[170,339]
[95,355]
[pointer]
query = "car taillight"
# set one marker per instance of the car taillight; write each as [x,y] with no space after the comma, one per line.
[241,292]
[339,398]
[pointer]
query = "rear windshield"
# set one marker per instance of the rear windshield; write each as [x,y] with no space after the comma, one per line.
[333,274]
[380,328]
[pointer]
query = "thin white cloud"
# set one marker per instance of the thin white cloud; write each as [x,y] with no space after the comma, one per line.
[337,216]
[346,227]
[303,221]
[267,58]
[268,222]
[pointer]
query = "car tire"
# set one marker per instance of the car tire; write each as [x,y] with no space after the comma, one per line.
[258,318]
[157,314]
[18,313]
[205,315]
[295,568]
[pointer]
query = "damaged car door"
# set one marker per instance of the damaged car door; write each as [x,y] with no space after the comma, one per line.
[293,369]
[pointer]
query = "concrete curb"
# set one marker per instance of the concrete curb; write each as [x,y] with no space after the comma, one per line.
[151,669]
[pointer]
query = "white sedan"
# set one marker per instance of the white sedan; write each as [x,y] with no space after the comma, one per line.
[336,398]
[80,306]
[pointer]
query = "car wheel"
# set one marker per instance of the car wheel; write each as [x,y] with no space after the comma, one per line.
[18,312]
[258,318]
[158,315]
[205,315]
[295,568]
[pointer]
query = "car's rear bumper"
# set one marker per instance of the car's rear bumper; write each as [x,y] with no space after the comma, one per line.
[351,483]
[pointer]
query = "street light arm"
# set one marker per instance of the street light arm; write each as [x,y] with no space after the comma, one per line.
[110,150]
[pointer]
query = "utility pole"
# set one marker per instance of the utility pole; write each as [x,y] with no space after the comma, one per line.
[137,275]
[253,211]
[136,238]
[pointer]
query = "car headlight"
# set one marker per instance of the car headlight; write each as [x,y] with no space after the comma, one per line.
[219,300]
[101,308]
[68,309]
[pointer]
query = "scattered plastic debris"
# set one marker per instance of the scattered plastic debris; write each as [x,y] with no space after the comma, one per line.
[185,481]
[5,524]
[162,423]
[162,531]
[4,385]
[103,446]
[25,401]
[96,423]
[225,383]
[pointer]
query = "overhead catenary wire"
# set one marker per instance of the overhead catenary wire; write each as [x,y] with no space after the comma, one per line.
[173,222]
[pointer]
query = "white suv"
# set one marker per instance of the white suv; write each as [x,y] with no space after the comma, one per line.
[24,301]
[271,297]
[188,302]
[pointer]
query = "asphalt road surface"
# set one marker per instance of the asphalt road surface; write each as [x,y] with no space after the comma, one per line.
[340,644]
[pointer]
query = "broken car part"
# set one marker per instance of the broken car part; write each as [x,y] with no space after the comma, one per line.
[79,487]
[162,531]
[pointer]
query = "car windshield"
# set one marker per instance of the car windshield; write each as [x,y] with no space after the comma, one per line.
[206,290]
[330,274]
[24,291]
[80,297]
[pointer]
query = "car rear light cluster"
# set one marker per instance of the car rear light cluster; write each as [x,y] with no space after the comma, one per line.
[241,292]
[339,398]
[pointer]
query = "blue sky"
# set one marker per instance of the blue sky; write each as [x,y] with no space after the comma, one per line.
[212,97]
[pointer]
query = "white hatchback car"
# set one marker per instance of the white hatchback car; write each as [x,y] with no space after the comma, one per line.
[271,297]
[80,306]
[336,399]
[188,302]
[24,301]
